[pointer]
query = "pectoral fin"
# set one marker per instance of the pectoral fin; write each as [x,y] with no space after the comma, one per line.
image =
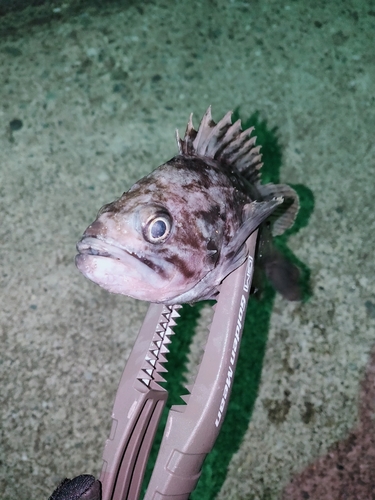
[254,214]
[282,218]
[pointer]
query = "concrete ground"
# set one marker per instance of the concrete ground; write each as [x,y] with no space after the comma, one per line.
[89,101]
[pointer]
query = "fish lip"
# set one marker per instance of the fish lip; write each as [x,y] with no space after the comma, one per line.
[98,247]
[95,246]
[119,270]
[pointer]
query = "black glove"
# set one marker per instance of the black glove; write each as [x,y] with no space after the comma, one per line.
[84,487]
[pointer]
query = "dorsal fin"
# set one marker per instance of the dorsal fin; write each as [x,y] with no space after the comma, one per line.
[223,141]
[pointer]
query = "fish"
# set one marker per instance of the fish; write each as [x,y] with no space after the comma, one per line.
[178,232]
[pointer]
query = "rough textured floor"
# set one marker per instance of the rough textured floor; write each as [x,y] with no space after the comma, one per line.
[99,92]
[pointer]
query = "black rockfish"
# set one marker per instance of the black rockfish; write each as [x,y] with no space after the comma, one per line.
[179,231]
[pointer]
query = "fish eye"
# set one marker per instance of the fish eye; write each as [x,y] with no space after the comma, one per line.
[157,229]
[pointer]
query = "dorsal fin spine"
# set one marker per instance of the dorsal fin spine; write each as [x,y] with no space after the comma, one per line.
[224,142]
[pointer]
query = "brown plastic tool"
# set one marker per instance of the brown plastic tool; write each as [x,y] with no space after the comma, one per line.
[191,429]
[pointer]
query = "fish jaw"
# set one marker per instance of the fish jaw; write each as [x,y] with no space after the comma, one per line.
[120,271]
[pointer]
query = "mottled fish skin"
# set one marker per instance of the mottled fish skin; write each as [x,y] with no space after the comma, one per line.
[179,231]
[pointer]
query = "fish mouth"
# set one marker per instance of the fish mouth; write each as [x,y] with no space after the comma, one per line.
[116,268]
[93,245]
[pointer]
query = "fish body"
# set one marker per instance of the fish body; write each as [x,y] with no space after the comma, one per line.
[178,232]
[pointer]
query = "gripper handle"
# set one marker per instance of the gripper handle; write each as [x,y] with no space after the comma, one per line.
[138,406]
[192,429]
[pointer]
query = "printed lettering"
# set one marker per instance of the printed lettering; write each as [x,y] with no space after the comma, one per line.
[222,404]
[226,389]
[235,344]
[217,421]
[248,276]
[229,376]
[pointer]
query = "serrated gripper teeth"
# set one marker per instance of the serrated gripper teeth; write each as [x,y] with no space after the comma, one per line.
[189,387]
[160,368]
[162,326]
[169,331]
[145,381]
[158,377]
[161,358]
[150,362]
[185,398]
[178,408]
[152,355]
[155,386]
[146,373]
[167,340]
[175,313]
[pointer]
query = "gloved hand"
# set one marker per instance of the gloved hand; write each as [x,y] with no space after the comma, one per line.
[83,487]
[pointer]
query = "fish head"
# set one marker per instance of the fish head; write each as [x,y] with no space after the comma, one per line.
[158,240]
[178,232]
